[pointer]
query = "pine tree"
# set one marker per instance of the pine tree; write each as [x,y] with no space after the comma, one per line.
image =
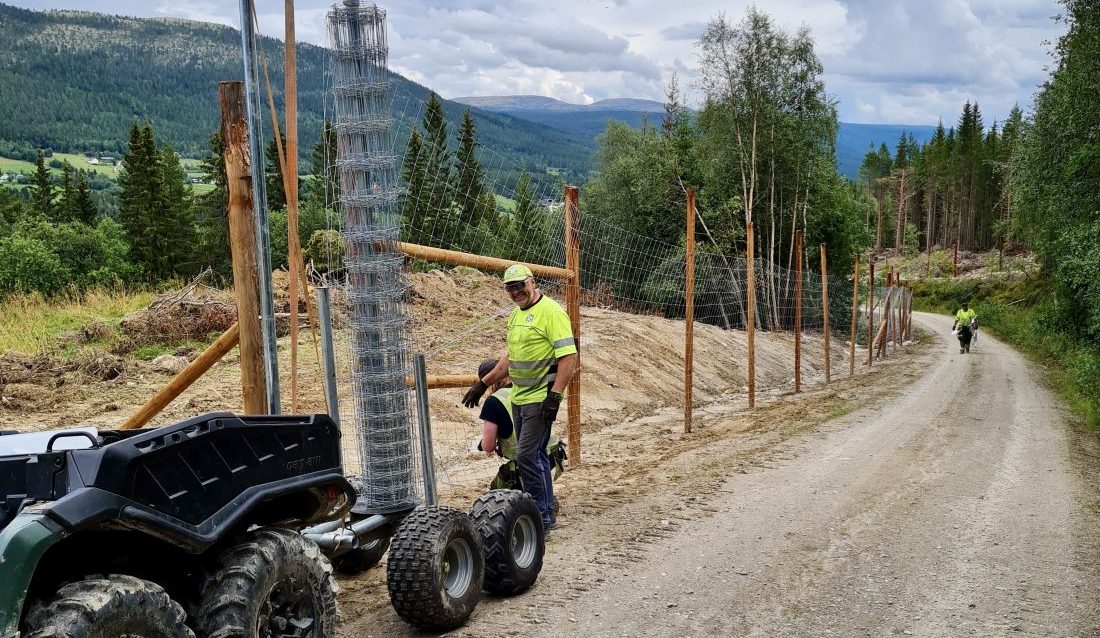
[42,189]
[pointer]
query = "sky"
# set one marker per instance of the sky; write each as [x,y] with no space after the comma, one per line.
[885,61]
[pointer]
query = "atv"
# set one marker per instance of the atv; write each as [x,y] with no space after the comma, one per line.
[174,532]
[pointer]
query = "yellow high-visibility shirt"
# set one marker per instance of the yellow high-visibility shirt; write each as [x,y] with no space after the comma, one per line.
[965,317]
[537,337]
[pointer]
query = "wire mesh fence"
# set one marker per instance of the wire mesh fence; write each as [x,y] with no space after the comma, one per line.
[398,186]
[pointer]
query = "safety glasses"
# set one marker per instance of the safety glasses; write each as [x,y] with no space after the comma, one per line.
[515,286]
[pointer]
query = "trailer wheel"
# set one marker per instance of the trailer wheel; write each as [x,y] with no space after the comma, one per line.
[511,528]
[109,607]
[361,559]
[274,583]
[436,568]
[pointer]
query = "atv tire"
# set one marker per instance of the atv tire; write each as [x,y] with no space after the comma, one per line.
[109,607]
[360,560]
[436,568]
[272,584]
[511,528]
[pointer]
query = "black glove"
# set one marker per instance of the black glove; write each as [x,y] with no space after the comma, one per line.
[550,405]
[473,395]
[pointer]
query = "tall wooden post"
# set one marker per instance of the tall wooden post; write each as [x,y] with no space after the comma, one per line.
[798,311]
[689,308]
[825,311]
[750,265]
[855,316]
[290,187]
[870,310]
[573,307]
[242,241]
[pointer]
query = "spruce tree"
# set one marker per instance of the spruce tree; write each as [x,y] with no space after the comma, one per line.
[468,184]
[414,205]
[42,189]
[437,172]
[211,211]
[84,208]
[175,227]
[324,183]
[64,210]
[273,176]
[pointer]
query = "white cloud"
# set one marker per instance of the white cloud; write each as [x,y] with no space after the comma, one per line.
[905,61]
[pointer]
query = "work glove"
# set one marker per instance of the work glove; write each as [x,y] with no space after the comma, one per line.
[474,394]
[550,405]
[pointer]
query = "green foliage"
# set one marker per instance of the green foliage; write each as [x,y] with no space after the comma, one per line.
[86,91]
[1055,174]
[325,250]
[324,182]
[155,207]
[42,190]
[28,265]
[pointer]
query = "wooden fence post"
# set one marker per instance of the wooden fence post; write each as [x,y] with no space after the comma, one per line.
[887,307]
[573,303]
[870,310]
[825,311]
[798,311]
[750,265]
[689,309]
[242,240]
[855,317]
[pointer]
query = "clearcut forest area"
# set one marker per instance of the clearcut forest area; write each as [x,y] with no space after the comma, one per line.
[855,472]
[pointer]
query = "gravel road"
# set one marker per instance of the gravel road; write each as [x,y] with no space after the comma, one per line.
[966,505]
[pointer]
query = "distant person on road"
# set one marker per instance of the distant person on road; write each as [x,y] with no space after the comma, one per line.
[541,359]
[966,322]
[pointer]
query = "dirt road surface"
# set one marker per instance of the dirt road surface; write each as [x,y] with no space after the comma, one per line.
[959,499]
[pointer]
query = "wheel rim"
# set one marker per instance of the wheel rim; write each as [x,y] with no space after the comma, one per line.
[458,568]
[524,542]
[288,612]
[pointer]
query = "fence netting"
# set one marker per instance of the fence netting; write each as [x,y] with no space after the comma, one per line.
[457,316]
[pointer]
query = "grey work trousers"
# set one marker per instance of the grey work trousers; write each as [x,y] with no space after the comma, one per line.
[532,437]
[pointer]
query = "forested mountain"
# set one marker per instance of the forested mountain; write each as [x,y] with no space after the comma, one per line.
[590,120]
[77,81]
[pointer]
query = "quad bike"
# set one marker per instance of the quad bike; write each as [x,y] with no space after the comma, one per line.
[179,531]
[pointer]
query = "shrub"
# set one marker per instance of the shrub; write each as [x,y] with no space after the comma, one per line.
[27,264]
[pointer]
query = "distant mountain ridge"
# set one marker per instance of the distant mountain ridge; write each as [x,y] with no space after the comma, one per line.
[509,103]
[76,81]
[589,120]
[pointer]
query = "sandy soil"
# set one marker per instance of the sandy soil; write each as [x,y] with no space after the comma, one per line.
[934,494]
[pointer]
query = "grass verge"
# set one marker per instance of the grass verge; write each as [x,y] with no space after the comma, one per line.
[32,324]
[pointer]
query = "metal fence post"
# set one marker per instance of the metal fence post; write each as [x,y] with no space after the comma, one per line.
[427,457]
[324,313]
